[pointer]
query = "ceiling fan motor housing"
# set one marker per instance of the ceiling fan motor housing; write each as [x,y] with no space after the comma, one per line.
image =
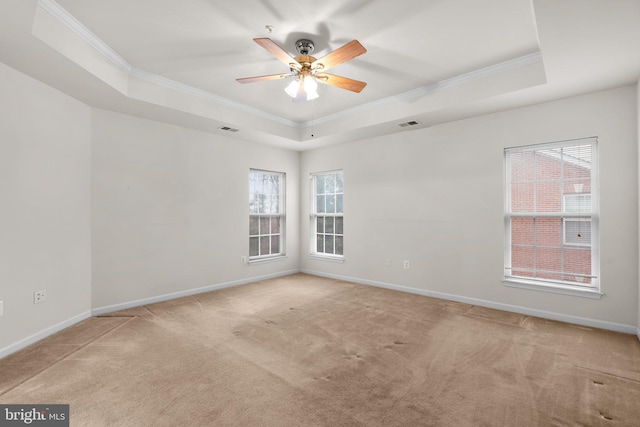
[304,46]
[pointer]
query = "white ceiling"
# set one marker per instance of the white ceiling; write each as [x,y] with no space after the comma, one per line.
[427,60]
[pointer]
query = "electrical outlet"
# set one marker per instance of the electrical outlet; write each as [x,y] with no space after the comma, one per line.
[406,264]
[39,296]
[243,259]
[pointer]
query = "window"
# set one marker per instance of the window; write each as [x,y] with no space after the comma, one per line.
[266,214]
[551,215]
[327,214]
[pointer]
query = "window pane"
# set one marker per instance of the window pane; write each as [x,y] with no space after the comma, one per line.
[253,226]
[328,244]
[331,203]
[275,225]
[264,225]
[578,261]
[320,204]
[522,231]
[548,164]
[548,196]
[319,184]
[330,184]
[338,226]
[548,261]
[263,202]
[320,224]
[577,232]
[339,245]
[521,167]
[265,245]
[522,197]
[339,203]
[339,183]
[328,225]
[522,259]
[548,232]
[253,246]
[275,244]
[577,203]
[275,204]
[320,243]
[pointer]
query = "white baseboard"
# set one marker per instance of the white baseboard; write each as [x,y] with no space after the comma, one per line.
[43,334]
[594,323]
[166,297]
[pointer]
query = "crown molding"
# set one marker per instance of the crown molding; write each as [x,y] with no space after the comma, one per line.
[53,8]
[490,70]
[79,29]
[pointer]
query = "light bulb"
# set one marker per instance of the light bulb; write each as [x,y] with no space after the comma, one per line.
[311,88]
[292,88]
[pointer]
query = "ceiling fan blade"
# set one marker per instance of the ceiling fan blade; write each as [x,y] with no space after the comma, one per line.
[340,55]
[278,52]
[341,82]
[264,78]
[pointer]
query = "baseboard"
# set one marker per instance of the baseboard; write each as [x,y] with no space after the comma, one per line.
[43,334]
[594,323]
[166,297]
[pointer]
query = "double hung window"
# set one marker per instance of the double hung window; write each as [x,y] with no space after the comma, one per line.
[327,214]
[551,215]
[266,214]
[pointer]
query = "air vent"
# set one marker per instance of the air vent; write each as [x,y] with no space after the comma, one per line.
[411,123]
[228,129]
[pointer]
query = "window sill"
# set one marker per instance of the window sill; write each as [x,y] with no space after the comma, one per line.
[553,288]
[267,259]
[338,259]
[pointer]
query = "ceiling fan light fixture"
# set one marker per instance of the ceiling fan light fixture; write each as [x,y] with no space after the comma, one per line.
[303,88]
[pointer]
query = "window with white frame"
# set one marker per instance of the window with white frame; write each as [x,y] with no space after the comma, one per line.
[327,214]
[551,215]
[266,214]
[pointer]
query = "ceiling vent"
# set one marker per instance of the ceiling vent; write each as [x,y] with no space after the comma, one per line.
[411,123]
[228,129]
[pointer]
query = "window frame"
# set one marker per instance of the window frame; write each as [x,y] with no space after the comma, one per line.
[315,215]
[281,214]
[592,290]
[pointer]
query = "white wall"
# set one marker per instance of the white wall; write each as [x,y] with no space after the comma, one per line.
[435,197]
[44,208]
[170,209]
[638,136]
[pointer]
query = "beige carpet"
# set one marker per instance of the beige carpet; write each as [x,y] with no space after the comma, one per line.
[303,351]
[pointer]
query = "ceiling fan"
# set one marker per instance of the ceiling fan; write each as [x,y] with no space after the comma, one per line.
[308,70]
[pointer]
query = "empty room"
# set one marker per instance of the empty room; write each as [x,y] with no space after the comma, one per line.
[304,213]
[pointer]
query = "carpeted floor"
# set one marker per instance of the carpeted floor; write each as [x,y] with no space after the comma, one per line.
[304,351]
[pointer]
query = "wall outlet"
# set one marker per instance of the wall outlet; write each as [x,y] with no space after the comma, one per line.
[406,264]
[39,296]
[243,259]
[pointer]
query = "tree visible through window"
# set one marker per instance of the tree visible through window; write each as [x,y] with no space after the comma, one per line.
[266,213]
[551,214]
[327,218]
